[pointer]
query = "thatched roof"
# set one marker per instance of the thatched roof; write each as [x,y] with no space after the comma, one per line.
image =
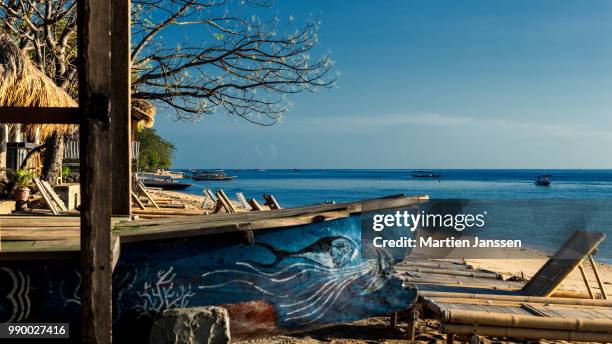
[143,112]
[24,85]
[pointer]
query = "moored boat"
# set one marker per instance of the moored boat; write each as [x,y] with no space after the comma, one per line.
[543,180]
[274,271]
[211,175]
[425,174]
[161,181]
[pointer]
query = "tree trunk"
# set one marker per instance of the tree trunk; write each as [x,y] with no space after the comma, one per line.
[54,154]
[4,133]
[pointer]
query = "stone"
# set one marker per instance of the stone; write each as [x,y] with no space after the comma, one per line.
[198,325]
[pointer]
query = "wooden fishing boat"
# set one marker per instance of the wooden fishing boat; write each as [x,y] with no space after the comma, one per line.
[275,271]
[161,181]
[425,174]
[211,175]
[543,180]
[166,185]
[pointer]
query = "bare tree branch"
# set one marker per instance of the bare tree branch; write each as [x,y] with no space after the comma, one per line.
[196,57]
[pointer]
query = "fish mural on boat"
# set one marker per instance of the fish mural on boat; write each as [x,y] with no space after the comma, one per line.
[329,265]
[308,276]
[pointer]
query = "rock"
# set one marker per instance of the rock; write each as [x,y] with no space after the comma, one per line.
[206,325]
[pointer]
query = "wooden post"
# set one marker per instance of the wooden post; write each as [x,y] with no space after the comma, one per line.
[121,150]
[4,134]
[596,272]
[393,320]
[94,47]
[586,281]
[413,319]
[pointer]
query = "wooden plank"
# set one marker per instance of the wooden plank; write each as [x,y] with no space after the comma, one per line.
[255,205]
[143,189]
[271,202]
[137,200]
[434,264]
[53,195]
[450,272]
[45,196]
[39,234]
[242,201]
[225,201]
[208,197]
[46,221]
[597,277]
[40,115]
[94,46]
[586,281]
[121,144]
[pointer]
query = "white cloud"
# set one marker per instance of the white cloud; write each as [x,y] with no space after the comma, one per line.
[519,127]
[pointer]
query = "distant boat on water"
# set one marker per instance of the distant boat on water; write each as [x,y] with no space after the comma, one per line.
[425,174]
[211,175]
[161,181]
[543,180]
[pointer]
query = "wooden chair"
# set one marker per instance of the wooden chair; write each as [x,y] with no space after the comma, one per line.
[271,202]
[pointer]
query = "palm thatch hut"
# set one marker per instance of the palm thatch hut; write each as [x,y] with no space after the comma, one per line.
[24,85]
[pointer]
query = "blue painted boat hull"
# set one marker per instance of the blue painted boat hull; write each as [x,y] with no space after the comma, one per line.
[283,280]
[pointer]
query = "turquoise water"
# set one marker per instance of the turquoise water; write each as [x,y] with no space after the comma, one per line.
[542,216]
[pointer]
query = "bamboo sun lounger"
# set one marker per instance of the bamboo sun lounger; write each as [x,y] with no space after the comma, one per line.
[481,303]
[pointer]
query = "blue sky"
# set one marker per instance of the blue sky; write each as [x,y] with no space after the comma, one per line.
[434,84]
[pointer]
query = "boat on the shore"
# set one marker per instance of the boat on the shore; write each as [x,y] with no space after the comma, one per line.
[543,180]
[274,271]
[161,181]
[425,174]
[211,175]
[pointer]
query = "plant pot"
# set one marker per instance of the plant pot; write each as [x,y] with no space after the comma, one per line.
[21,194]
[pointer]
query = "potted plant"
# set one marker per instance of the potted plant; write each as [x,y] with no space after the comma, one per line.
[22,180]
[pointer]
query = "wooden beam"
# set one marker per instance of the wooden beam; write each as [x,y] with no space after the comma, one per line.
[121,149]
[94,46]
[602,288]
[143,189]
[137,200]
[586,281]
[40,115]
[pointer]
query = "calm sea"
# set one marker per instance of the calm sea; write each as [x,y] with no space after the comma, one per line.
[542,216]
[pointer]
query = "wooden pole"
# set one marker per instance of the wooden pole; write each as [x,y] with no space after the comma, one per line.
[94,46]
[121,142]
[586,281]
[596,272]
[527,333]
[393,320]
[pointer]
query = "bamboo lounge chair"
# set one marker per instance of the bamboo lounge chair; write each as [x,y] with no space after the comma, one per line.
[458,278]
[530,312]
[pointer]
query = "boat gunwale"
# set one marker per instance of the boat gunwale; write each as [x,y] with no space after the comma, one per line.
[145,230]
[128,231]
